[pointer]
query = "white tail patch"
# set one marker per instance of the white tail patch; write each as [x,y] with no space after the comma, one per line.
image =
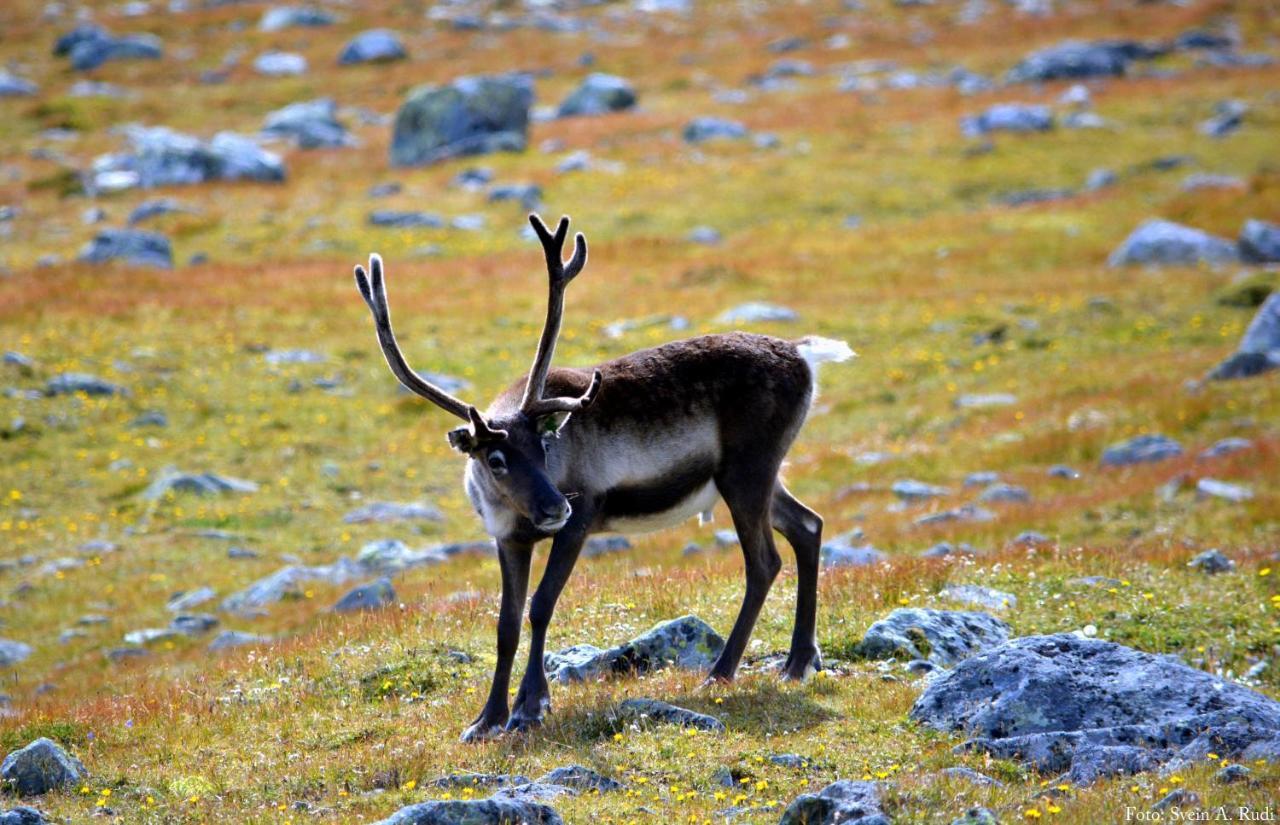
[816,350]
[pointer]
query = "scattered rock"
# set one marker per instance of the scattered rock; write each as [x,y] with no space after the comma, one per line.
[1226,446]
[1064,472]
[1259,348]
[756,312]
[1212,487]
[945,549]
[528,195]
[201,484]
[640,710]
[382,512]
[1066,703]
[1001,493]
[288,582]
[472,115]
[706,235]
[281,357]
[311,124]
[405,219]
[845,802]
[604,545]
[1074,59]
[13,86]
[910,490]
[686,642]
[279,18]
[1165,243]
[147,210]
[840,554]
[11,652]
[599,94]
[163,157]
[391,556]
[580,778]
[495,811]
[1142,449]
[976,594]
[1231,774]
[132,246]
[90,46]
[943,637]
[116,655]
[704,129]
[982,478]
[71,383]
[280,64]
[1212,561]
[229,639]
[971,776]
[479,780]
[1260,242]
[1179,798]
[22,815]
[977,816]
[40,767]
[370,596]
[985,400]
[1228,118]
[373,46]
[193,624]
[1201,181]
[966,512]
[1009,117]
[1099,179]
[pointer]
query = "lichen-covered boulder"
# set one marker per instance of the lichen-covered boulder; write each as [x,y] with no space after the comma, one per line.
[580,778]
[686,642]
[943,637]
[40,767]
[845,802]
[1094,708]
[1165,243]
[496,811]
[470,116]
[654,710]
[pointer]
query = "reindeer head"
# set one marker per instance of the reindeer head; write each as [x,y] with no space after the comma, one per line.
[508,455]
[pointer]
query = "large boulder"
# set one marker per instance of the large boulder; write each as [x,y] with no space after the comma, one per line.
[162,157]
[373,46]
[845,802]
[40,767]
[1165,243]
[1260,242]
[1259,349]
[11,652]
[495,811]
[943,637]
[132,246]
[472,115]
[686,642]
[311,124]
[1072,59]
[1094,708]
[599,94]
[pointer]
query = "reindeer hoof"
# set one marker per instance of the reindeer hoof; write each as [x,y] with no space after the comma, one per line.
[519,722]
[482,731]
[800,667]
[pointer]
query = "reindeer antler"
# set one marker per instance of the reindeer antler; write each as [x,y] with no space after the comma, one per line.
[374,292]
[559,275]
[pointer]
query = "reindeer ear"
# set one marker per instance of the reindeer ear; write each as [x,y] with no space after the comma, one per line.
[463,440]
[552,423]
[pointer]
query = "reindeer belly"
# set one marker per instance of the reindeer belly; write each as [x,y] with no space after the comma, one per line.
[681,493]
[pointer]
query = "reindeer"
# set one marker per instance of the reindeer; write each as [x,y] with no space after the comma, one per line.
[639,443]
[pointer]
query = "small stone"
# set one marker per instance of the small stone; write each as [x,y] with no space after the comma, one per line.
[1064,472]
[605,545]
[1231,774]
[1165,243]
[1212,561]
[845,555]
[597,95]
[975,594]
[1227,446]
[1142,449]
[369,596]
[757,312]
[977,816]
[402,219]
[382,512]
[580,778]
[182,602]
[1179,797]
[1260,242]
[1005,494]
[704,129]
[372,46]
[1213,488]
[132,246]
[1009,117]
[280,64]
[228,639]
[194,624]
[284,17]
[74,383]
[910,490]
[706,235]
[202,484]
[637,710]
[11,652]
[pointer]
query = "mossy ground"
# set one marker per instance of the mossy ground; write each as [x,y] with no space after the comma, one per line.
[352,715]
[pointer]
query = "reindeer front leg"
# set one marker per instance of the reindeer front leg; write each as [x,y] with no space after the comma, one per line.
[534,697]
[514,560]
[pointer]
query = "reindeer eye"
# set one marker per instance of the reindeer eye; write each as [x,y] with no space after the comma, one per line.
[497,463]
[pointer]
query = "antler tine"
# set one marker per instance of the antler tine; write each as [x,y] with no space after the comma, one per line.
[559,274]
[374,291]
[566,403]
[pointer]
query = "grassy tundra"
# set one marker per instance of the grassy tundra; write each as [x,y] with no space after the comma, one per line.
[942,290]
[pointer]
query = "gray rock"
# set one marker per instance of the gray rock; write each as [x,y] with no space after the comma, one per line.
[390,556]
[1066,703]
[597,95]
[528,195]
[976,594]
[71,383]
[845,802]
[383,512]
[13,86]
[1072,59]
[706,235]
[943,637]
[1165,243]
[117,655]
[1001,493]
[971,776]
[22,815]
[230,639]
[279,18]
[150,635]
[1259,348]
[1229,117]
[201,484]
[1099,179]
[1226,446]
[281,357]
[163,157]
[605,545]
[93,46]
[479,780]
[1063,471]
[982,401]
[580,778]
[40,767]
[910,490]
[1231,774]
[370,596]
[1213,488]
[132,246]
[686,642]
[11,652]
[280,64]
[399,219]
[976,816]
[1179,798]
[839,554]
[193,624]
[372,46]
[1009,117]
[964,513]
[640,710]
[757,312]
[1212,561]
[147,210]
[575,162]
[1141,449]
[534,792]
[496,811]
[1201,181]
[288,582]
[704,129]
[472,115]
[982,478]
[1260,242]
[312,124]
[794,761]
[945,549]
